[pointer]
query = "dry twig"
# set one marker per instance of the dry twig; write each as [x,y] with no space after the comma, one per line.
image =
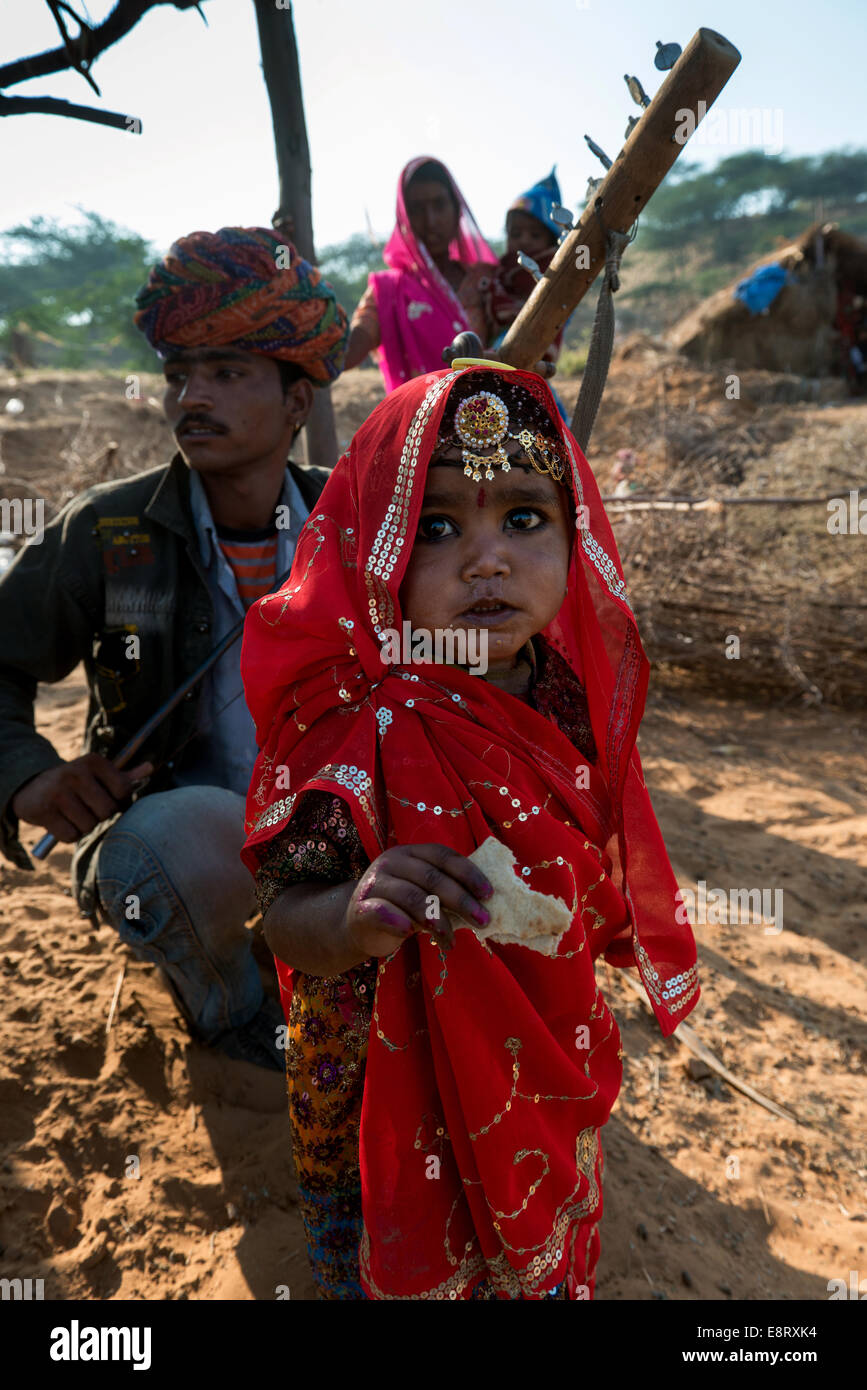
[693,1042]
[114,998]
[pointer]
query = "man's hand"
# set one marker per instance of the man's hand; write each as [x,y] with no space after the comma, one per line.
[546,368]
[469,344]
[392,897]
[71,799]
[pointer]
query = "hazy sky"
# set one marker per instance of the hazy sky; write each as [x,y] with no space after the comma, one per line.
[498,89]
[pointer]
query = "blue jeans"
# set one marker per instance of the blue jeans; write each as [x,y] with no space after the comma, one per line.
[171,881]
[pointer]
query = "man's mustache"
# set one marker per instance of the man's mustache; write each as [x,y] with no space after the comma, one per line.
[199,422]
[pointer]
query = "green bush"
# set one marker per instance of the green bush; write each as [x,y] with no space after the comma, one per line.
[571,362]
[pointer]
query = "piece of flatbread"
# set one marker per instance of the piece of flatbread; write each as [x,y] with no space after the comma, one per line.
[519,915]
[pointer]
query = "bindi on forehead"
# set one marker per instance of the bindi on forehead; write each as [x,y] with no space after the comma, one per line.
[480,500]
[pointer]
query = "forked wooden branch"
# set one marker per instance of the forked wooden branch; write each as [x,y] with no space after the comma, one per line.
[78,54]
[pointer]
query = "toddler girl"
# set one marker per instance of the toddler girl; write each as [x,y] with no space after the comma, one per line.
[447,1087]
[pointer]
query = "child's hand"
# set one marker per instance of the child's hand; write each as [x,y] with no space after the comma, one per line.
[404,887]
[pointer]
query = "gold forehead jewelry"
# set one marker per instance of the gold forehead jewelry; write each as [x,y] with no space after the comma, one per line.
[482,423]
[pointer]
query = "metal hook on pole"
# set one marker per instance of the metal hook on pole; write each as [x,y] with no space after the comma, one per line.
[599,152]
[636,91]
[667,55]
[527,263]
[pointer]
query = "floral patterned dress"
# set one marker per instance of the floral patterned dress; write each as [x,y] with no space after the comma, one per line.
[329,1016]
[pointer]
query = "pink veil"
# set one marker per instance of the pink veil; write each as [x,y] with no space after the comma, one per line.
[419,312]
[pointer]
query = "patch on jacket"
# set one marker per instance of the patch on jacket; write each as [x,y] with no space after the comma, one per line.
[124,545]
[138,607]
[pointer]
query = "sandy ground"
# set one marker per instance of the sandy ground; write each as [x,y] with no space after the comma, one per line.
[134,1164]
[707,1195]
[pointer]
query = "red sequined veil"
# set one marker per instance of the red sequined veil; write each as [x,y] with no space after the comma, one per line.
[490,1068]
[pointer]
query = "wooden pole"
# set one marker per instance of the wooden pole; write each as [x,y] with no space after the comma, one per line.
[283,80]
[693,84]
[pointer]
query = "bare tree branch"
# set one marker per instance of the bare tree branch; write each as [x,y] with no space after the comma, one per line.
[82,51]
[282,75]
[80,64]
[294,217]
[53,106]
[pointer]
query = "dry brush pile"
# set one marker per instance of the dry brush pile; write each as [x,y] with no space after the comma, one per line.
[771,576]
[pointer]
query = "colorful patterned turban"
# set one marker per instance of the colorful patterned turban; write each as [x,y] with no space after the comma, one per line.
[247,287]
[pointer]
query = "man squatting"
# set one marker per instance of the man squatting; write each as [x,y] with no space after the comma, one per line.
[175,556]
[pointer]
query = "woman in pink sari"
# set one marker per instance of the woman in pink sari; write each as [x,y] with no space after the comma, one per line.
[438,263]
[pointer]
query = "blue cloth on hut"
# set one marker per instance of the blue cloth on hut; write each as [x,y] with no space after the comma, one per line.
[760,289]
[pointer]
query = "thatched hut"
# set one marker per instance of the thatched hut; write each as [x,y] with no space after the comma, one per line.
[800,331]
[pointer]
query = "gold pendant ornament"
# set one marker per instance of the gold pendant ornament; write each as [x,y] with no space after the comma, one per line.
[482,422]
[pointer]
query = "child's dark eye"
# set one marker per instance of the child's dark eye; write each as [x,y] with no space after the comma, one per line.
[434,528]
[525,519]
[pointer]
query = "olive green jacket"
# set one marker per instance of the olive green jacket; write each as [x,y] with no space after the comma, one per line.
[121,558]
